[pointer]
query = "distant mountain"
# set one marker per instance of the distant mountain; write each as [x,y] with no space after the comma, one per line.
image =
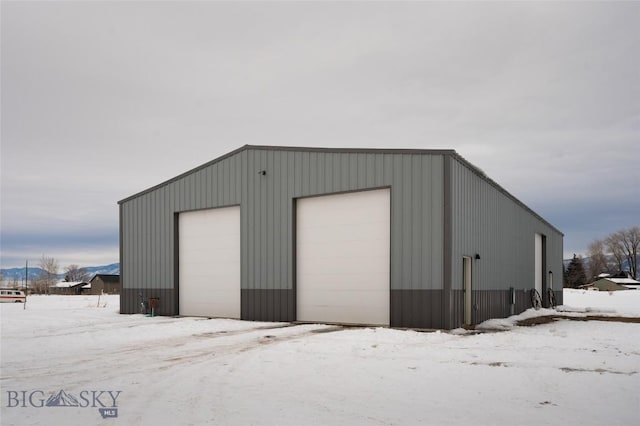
[112,269]
[17,274]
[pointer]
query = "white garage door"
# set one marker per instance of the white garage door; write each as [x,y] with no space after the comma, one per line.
[342,247]
[209,257]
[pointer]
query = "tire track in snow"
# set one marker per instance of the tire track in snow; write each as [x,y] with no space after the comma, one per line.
[179,391]
[162,354]
[253,344]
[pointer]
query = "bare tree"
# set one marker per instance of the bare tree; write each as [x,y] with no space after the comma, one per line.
[629,239]
[621,247]
[614,247]
[49,274]
[75,273]
[597,259]
[15,283]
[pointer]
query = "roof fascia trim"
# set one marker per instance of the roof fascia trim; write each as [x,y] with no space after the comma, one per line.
[287,148]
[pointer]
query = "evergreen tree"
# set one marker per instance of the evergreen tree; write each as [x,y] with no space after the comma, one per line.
[575,275]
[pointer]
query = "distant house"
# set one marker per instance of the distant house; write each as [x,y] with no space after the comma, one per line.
[67,287]
[105,283]
[603,284]
[608,282]
[629,283]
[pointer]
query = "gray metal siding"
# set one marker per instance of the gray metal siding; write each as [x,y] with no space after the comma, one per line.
[488,222]
[148,224]
[442,208]
[416,182]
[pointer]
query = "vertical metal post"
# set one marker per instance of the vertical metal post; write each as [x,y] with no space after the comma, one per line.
[512,302]
[26,282]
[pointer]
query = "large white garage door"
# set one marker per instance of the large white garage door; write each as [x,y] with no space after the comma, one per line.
[342,247]
[209,257]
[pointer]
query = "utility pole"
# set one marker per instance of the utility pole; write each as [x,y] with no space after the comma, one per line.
[26,283]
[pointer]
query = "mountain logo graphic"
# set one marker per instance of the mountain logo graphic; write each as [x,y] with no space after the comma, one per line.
[62,399]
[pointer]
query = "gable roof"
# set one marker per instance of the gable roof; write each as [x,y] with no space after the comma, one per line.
[621,277]
[604,284]
[293,148]
[610,284]
[446,152]
[623,281]
[107,278]
[68,284]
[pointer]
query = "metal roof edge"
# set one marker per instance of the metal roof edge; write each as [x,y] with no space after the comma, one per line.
[181,175]
[450,152]
[352,150]
[288,148]
[477,171]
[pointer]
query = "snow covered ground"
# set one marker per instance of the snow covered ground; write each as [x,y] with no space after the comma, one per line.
[625,302]
[193,371]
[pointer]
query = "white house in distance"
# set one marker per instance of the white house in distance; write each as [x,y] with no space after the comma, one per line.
[67,287]
[609,282]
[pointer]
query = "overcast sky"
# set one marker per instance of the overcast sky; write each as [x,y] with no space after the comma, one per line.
[103,99]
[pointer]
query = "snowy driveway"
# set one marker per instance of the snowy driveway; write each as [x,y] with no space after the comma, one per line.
[192,371]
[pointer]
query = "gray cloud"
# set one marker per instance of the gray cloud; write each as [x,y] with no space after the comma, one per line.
[103,99]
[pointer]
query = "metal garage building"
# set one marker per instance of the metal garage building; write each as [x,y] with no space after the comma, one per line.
[406,238]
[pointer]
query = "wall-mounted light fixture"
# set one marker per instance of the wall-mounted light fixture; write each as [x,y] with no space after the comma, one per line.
[477,256]
[262,172]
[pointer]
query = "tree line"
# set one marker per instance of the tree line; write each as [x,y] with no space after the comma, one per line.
[49,276]
[608,255]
